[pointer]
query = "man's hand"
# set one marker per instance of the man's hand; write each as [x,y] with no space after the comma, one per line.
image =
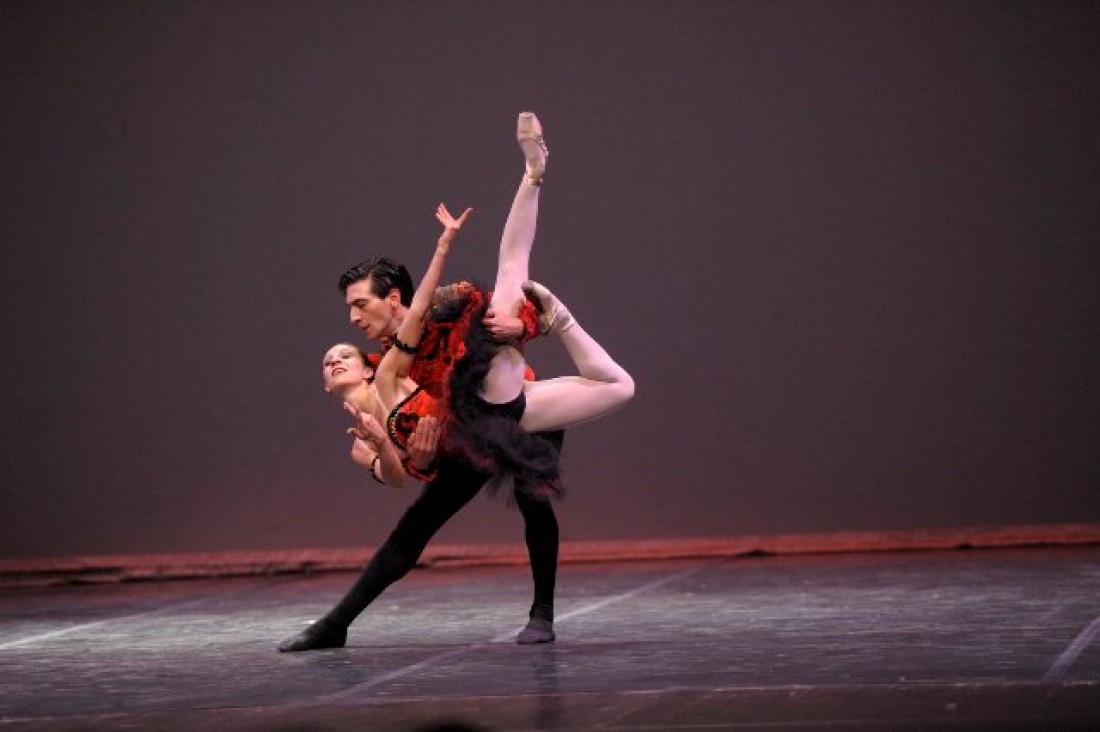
[423,443]
[503,327]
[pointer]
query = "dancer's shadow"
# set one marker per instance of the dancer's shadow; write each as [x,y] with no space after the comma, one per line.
[550,705]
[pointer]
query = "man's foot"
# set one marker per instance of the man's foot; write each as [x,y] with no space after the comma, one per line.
[314,638]
[538,630]
[554,317]
[529,137]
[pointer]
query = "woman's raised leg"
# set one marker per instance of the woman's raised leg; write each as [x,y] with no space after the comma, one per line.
[601,386]
[504,381]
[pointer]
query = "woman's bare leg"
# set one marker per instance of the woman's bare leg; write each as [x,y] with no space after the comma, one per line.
[504,381]
[601,386]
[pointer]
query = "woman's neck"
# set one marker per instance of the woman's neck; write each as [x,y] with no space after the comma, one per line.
[361,395]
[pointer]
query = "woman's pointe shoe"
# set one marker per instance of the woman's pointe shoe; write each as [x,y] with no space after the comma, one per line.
[529,137]
[554,317]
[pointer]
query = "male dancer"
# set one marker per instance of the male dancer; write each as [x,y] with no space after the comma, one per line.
[378,293]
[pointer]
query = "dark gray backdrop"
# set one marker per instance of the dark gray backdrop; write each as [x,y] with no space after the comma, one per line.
[848,249]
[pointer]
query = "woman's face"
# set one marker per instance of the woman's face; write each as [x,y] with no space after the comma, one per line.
[343,367]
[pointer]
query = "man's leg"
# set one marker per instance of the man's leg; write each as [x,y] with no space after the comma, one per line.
[541,536]
[438,502]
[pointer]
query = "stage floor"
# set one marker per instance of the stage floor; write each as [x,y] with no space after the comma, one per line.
[996,640]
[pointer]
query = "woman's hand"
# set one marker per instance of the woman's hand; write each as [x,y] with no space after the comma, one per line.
[451,225]
[363,453]
[366,427]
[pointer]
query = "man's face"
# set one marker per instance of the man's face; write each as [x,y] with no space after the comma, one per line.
[373,315]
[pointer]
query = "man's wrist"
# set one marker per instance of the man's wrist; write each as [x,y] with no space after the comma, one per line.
[422,465]
[424,474]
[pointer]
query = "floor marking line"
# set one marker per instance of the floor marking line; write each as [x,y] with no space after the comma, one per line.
[56,633]
[609,600]
[88,626]
[1073,651]
[49,635]
[355,691]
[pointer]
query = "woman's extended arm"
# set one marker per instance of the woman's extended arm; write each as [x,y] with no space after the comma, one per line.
[398,360]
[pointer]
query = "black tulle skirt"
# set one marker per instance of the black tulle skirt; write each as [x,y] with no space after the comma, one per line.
[488,435]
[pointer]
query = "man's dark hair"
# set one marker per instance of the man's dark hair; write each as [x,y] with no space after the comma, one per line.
[384,275]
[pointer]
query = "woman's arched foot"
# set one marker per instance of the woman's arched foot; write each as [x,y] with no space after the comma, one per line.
[554,317]
[531,142]
[538,630]
[317,636]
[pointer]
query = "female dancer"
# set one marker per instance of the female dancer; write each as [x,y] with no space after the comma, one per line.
[490,406]
[365,392]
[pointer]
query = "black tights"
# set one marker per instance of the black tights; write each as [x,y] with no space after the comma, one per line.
[457,483]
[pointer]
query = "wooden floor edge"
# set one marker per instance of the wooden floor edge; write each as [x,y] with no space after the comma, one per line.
[118,568]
